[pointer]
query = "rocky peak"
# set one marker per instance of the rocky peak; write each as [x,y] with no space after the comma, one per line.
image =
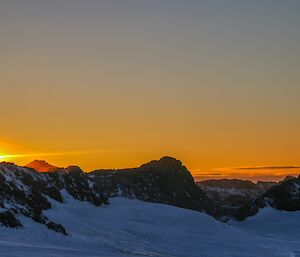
[164,163]
[287,178]
[42,166]
[7,163]
[74,170]
[164,181]
[284,196]
[25,191]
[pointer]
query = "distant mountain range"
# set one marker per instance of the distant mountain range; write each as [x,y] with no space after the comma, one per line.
[29,190]
[238,199]
[228,195]
[284,196]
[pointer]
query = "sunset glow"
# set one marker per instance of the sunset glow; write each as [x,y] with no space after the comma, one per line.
[149,128]
[109,84]
[5,157]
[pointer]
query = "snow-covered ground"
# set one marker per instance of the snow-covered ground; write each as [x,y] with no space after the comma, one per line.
[135,228]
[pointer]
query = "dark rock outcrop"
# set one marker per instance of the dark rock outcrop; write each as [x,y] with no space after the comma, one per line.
[164,181]
[25,191]
[229,195]
[284,196]
[56,227]
[8,219]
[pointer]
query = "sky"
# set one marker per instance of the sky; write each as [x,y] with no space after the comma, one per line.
[116,83]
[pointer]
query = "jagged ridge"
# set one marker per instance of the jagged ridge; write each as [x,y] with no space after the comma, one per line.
[24,191]
[164,181]
[228,195]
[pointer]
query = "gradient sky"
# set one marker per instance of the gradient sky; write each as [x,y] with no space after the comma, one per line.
[110,84]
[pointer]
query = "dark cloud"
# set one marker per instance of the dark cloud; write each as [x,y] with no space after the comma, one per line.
[267,168]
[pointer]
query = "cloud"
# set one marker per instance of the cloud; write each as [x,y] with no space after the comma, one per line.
[279,167]
[254,173]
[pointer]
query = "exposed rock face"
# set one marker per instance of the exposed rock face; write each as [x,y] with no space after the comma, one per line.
[287,178]
[77,184]
[229,195]
[27,192]
[24,191]
[8,219]
[284,196]
[165,181]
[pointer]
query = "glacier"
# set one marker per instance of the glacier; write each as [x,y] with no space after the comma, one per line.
[128,227]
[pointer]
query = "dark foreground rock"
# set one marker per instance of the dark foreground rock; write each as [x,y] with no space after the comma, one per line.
[164,181]
[25,191]
[229,195]
[284,196]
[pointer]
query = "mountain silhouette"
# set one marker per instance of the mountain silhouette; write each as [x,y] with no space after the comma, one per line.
[42,166]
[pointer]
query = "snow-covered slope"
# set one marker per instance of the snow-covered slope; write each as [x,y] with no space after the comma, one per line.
[135,228]
[35,206]
[273,223]
[26,191]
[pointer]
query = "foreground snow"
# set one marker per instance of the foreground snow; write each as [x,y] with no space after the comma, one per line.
[134,228]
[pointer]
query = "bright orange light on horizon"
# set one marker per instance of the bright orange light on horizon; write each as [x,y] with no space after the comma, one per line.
[253,173]
[5,156]
[129,88]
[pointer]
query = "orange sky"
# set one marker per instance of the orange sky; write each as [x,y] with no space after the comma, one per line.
[89,160]
[104,84]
